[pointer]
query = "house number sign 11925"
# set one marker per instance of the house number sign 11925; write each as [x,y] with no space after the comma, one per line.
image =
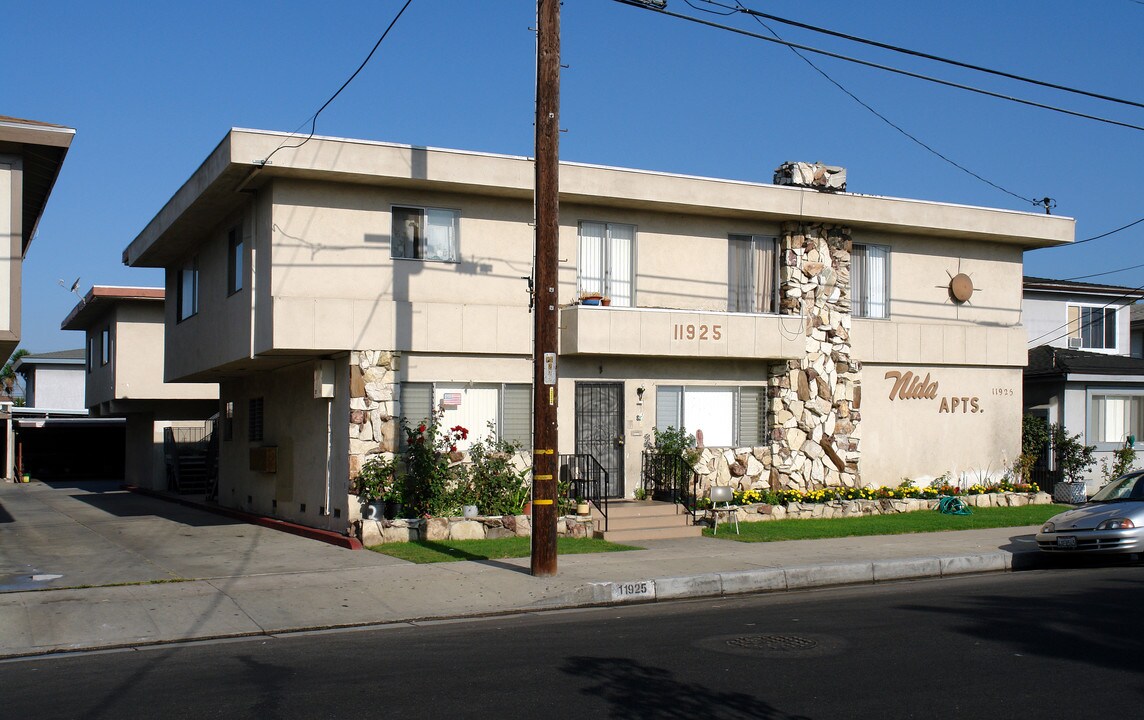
[688,331]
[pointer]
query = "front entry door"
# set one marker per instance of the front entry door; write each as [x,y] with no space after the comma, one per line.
[600,429]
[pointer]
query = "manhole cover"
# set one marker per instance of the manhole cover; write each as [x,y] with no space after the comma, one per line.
[775,645]
[773,642]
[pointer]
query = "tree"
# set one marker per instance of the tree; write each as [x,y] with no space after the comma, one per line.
[8,377]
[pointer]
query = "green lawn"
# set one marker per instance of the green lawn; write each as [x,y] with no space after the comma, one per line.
[424,551]
[912,522]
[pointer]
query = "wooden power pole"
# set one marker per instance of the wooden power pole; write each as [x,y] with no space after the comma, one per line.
[545,461]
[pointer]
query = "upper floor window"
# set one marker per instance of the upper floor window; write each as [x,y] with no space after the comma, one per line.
[188,289]
[92,353]
[234,261]
[752,274]
[425,234]
[1092,328]
[105,346]
[870,281]
[727,416]
[607,262]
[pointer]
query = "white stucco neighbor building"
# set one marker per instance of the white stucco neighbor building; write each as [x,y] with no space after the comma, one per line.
[52,380]
[818,338]
[123,376]
[1082,374]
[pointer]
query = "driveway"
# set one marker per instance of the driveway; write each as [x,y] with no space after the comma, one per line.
[82,533]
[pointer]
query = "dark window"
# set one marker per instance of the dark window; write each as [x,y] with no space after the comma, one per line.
[228,421]
[234,270]
[188,289]
[254,421]
[425,234]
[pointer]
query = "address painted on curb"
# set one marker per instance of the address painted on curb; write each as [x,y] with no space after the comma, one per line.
[634,590]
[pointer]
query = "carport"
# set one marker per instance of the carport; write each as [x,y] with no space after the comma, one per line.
[55,447]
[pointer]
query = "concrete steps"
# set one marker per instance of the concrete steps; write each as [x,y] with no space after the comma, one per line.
[633,520]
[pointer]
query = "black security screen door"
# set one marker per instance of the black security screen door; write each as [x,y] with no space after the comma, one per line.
[600,429]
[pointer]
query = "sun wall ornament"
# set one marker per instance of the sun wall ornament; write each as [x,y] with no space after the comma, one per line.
[960,287]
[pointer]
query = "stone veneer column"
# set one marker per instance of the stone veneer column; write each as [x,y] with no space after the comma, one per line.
[814,408]
[373,429]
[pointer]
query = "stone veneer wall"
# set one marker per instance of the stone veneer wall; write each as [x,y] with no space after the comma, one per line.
[815,401]
[373,428]
[885,506]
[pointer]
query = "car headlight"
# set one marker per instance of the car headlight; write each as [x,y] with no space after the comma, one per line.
[1049,527]
[1116,524]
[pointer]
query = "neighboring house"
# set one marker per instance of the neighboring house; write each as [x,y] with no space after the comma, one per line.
[124,376]
[31,154]
[823,339]
[1136,323]
[52,381]
[1081,374]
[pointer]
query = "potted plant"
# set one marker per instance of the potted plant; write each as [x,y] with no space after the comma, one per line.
[588,297]
[376,485]
[582,507]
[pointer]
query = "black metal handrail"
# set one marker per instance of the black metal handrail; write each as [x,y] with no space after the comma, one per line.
[585,479]
[668,477]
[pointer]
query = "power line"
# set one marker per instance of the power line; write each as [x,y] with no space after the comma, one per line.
[1099,274]
[916,53]
[1110,232]
[1110,303]
[897,71]
[891,123]
[314,117]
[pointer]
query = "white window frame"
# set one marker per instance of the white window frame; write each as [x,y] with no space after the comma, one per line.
[606,263]
[670,404]
[1081,328]
[421,246]
[866,301]
[1096,419]
[743,283]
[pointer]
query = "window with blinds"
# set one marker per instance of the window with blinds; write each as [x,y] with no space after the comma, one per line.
[752,274]
[728,416]
[870,281]
[508,407]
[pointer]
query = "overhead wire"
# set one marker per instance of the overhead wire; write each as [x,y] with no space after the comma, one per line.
[916,53]
[314,118]
[889,122]
[897,71]
[1134,291]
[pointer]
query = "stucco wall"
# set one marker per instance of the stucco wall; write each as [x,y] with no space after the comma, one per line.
[294,422]
[953,419]
[59,388]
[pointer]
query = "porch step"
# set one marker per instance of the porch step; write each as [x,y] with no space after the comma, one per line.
[647,520]
[661,533]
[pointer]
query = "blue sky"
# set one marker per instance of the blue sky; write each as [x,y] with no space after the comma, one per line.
[151,88]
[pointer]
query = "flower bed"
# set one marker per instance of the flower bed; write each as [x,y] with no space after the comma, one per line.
[375,532]
[888,505]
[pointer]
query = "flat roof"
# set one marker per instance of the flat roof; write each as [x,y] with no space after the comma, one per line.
[101,298]
[247,159]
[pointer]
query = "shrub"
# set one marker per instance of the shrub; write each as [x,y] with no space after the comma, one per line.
[673,441]
[1123,461]
[492,481]
[431,471]
[378,481]
[1073,457]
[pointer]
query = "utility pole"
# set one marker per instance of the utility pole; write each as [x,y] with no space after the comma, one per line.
[546,316]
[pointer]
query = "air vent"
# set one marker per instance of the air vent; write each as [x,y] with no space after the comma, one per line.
[1076,343]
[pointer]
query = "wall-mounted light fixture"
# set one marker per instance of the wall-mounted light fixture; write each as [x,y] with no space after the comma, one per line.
[639,394]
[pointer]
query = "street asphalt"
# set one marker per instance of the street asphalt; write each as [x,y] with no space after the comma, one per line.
[88,565]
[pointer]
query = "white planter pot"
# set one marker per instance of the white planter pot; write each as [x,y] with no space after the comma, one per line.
[469,511]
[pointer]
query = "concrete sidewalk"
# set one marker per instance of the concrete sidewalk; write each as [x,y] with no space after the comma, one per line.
[249,580]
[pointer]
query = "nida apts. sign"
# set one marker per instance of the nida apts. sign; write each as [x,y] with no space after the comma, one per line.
[911,386]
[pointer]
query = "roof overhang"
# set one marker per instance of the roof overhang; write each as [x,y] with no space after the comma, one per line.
[248,159]
[102,298]
[42,147]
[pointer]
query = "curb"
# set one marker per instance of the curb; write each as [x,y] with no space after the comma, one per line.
[326,536]
[706,585]
[794,577]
